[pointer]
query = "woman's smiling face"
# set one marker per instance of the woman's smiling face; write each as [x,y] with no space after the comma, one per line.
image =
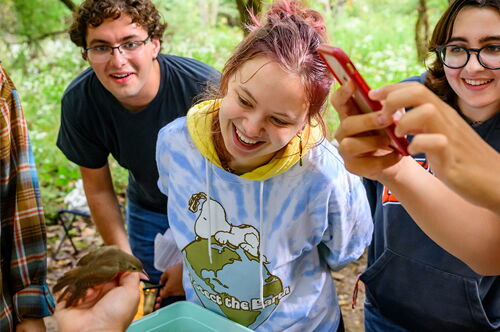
[264,108]
[477,88]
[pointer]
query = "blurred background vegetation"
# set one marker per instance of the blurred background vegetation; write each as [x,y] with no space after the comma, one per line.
[382,38]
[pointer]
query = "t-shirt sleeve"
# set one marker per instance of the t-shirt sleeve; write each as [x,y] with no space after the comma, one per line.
[350,224]
[76,139]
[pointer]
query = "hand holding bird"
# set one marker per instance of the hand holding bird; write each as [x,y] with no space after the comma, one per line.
[113,311]
[97,267]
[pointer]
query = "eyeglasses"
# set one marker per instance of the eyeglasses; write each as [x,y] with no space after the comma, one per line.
[454,56]
[100,54]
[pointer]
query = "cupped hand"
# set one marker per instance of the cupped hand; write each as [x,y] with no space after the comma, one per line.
[31,325]
[111,307]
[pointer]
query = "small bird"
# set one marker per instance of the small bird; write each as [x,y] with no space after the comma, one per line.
[97,267]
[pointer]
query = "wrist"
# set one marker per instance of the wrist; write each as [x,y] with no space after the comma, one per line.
[397,173]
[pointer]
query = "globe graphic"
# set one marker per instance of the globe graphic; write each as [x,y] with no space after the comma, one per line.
[230,286]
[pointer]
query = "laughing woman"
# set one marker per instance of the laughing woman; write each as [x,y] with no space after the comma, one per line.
[413,283]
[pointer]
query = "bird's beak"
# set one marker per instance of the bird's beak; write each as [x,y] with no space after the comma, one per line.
[146,274]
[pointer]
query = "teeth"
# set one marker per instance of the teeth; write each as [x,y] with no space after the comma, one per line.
[120,76]
[245,139]
[477,82]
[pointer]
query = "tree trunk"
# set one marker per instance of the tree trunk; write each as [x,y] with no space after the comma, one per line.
[244,8]
[422,30]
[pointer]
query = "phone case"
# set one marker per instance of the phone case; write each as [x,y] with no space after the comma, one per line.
[343,69]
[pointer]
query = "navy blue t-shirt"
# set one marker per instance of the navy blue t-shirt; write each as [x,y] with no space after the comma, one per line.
[412,280]
[94,124]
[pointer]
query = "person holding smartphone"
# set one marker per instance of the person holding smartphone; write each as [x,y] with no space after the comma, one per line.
[412,283]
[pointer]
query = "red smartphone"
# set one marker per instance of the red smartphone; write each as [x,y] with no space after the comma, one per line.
[343,69]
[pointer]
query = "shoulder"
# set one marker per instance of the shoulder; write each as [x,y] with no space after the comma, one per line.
[189,67]
[326,157]
[176,127]
[419,78]
[80,83]
[327,166]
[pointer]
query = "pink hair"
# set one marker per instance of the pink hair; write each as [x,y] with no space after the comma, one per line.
[290,35]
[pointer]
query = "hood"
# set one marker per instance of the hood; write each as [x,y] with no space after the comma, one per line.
[199,124]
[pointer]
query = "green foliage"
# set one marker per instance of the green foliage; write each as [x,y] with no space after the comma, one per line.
[38,17]
[377,34]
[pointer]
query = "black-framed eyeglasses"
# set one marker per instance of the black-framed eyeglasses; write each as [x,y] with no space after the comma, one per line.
[100,54]
[455,56]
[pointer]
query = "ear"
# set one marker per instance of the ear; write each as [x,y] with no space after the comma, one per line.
[156,47]
[84,55]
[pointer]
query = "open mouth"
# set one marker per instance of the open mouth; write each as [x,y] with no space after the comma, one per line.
[477,82]
[244,140]
[120,76]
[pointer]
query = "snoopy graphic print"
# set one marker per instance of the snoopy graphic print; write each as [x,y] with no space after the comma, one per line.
[235,252]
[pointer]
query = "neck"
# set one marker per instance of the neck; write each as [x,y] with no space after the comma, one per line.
[478,115]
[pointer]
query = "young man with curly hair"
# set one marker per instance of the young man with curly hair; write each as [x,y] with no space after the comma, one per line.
[117,106]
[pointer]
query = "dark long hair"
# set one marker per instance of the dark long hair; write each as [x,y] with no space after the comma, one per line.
[436,79]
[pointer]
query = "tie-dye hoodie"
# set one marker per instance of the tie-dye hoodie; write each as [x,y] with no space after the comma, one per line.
[258,248]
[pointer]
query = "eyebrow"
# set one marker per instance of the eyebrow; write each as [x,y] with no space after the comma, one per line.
[102,41]
[248,93]
[482,40]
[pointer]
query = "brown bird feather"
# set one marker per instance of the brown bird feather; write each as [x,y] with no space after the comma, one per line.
[95,268]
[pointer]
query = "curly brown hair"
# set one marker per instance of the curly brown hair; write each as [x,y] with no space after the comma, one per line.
[94,12]
[436,79]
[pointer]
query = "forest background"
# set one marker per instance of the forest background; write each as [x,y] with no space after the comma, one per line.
[382,37]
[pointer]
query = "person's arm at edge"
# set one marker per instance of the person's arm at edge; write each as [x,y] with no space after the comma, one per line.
[104,206]
[433,206]
[447,218]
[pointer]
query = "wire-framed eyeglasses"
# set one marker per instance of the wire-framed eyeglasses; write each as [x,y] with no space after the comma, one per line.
[100,54]
[455,56]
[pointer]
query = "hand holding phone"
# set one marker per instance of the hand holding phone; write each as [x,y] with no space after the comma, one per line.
[343,69]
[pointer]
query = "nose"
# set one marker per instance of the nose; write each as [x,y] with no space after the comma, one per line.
[474,64]
[117,58]
[253,125]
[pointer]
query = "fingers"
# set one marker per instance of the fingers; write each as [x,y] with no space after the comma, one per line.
[342,101]
[361,124]
[172,278]
[422,119]
[372,167]
[130,279]
[403,95]
[359,146]
[164,277]
[432,144]
[143,276]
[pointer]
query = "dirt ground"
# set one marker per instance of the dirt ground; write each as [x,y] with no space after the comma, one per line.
[85,237]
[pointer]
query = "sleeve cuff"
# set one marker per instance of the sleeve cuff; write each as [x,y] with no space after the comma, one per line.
[34,301]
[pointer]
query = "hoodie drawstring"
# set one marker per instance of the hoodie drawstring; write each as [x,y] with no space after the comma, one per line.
[261,242]
[208,165]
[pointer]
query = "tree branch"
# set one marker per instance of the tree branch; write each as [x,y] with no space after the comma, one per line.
[69,4]
[49,34]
